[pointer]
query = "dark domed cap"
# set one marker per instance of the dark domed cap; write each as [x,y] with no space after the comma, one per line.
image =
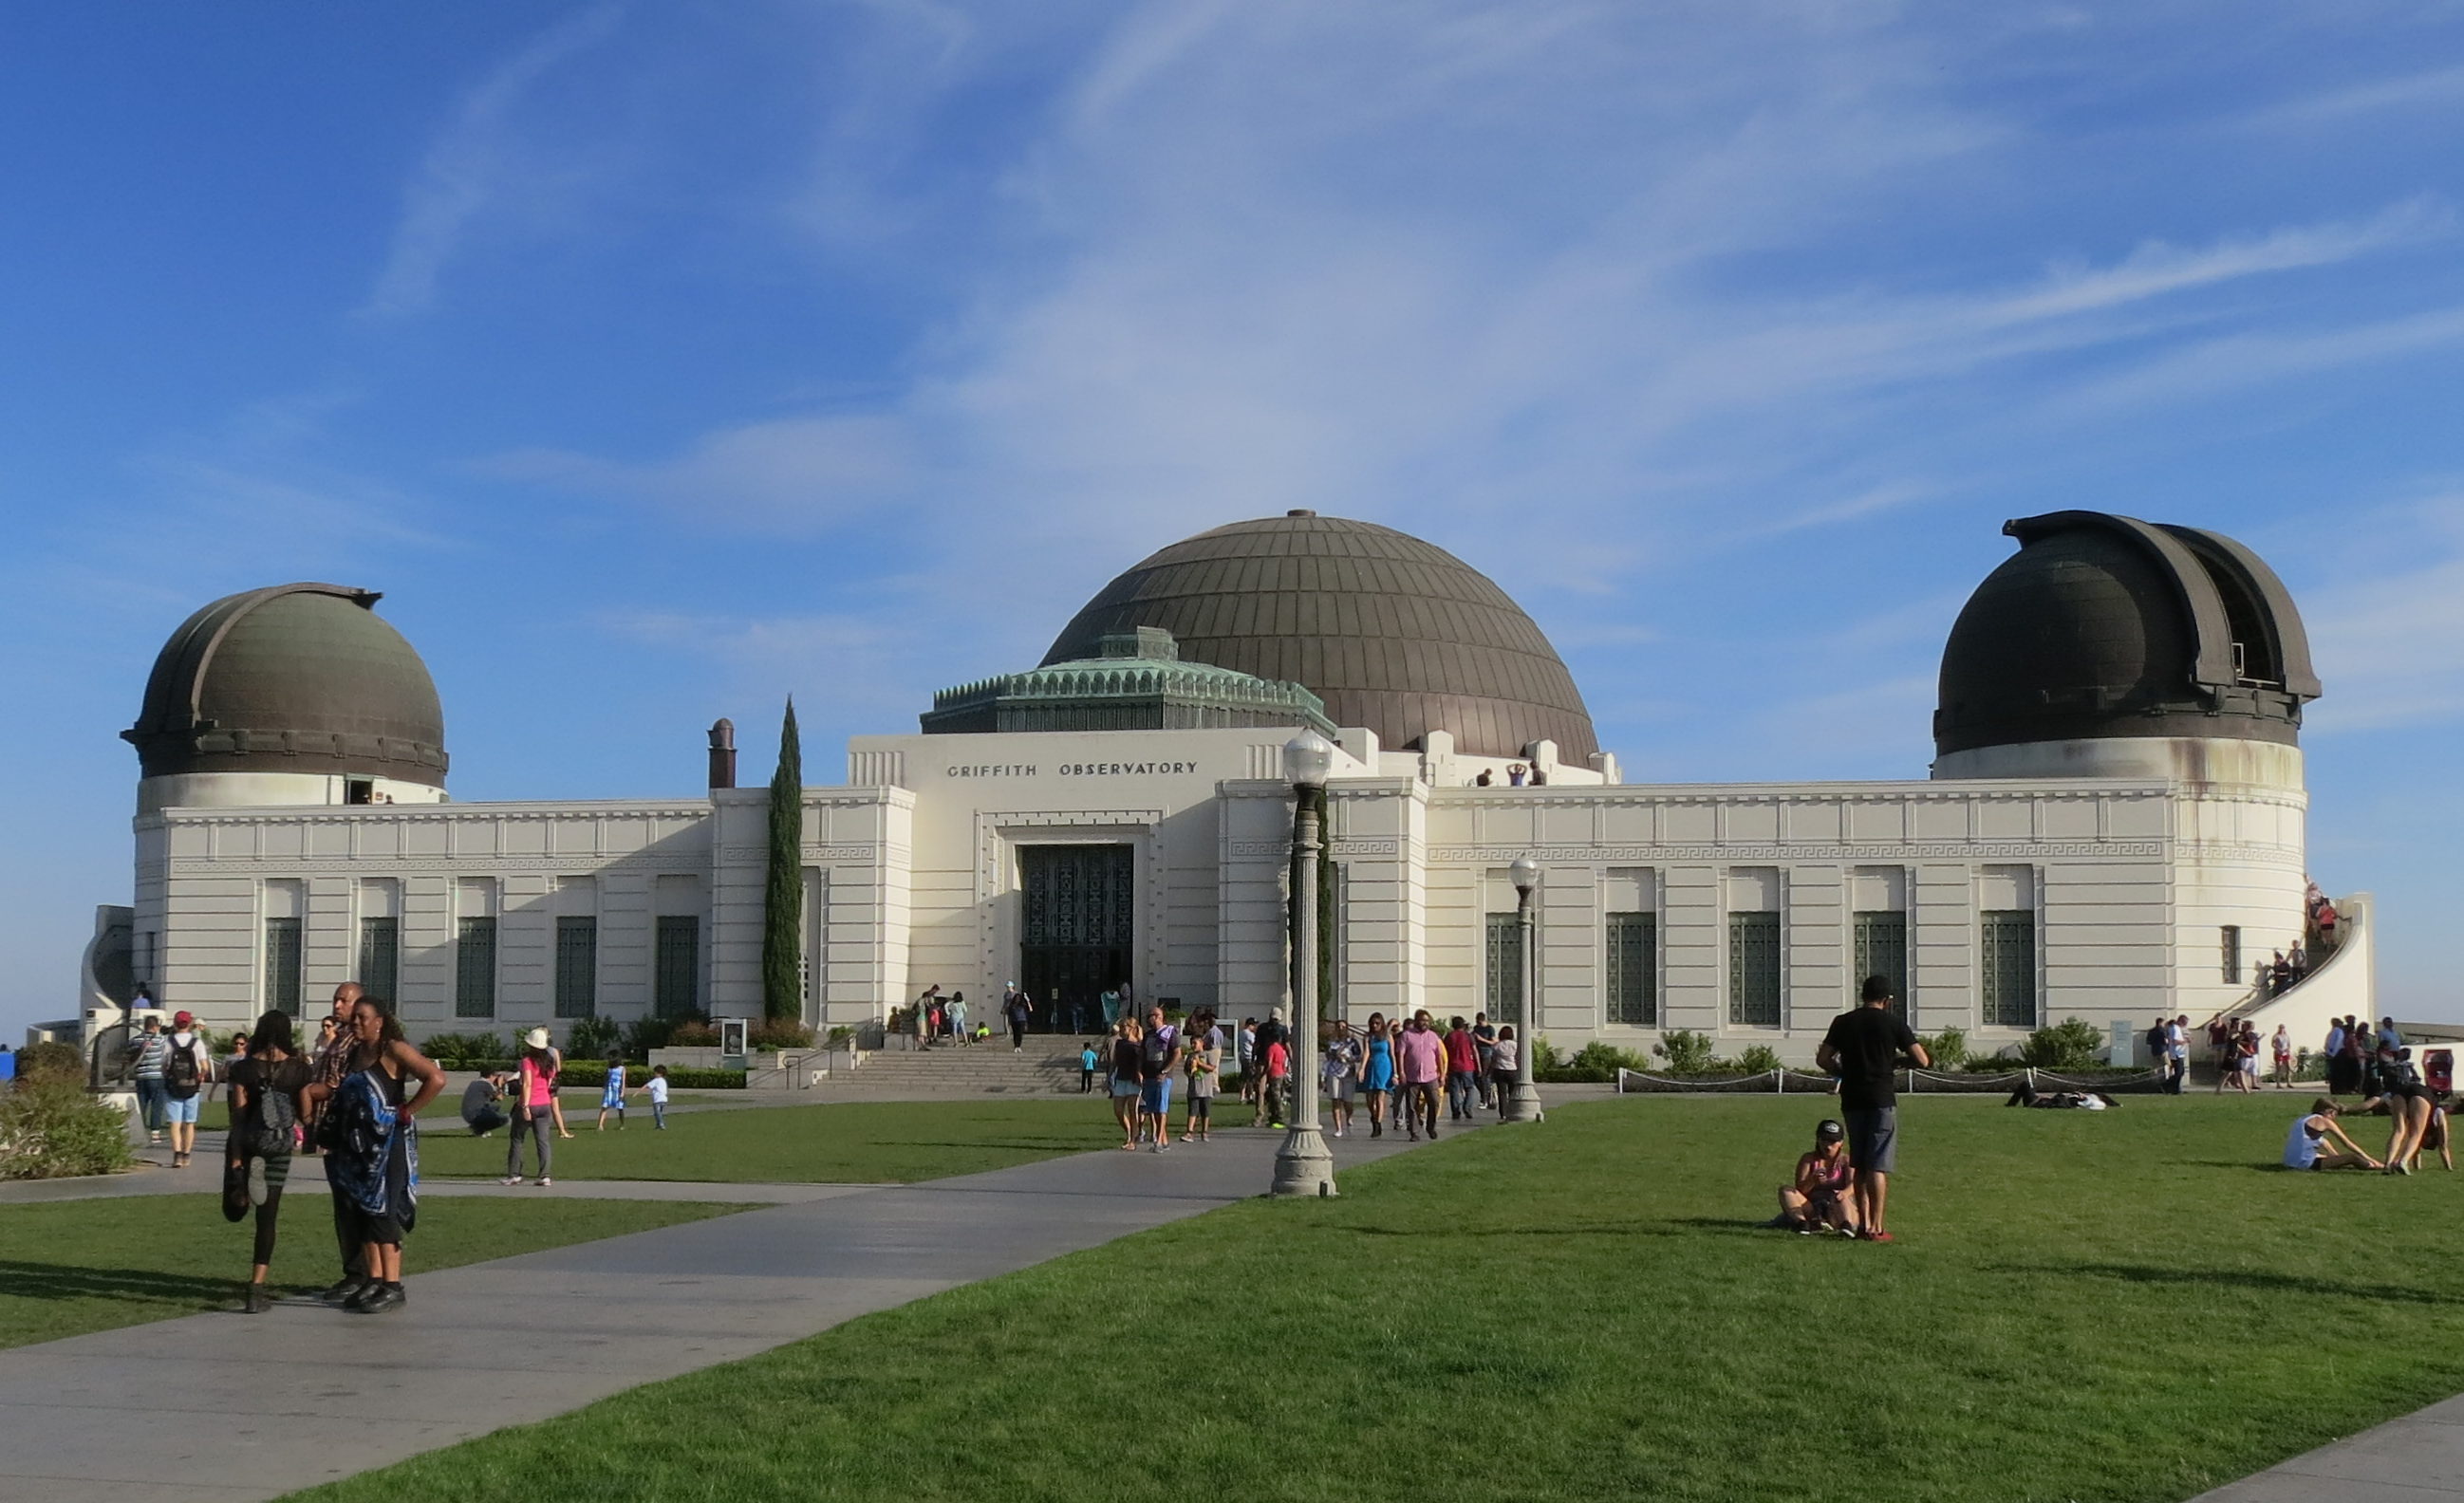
[1392,633]
[297,678]
[2102,625]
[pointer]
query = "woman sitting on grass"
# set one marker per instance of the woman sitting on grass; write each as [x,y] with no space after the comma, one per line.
[1818,1196]
[2305,1146]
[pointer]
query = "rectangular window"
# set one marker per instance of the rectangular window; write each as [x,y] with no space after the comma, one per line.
[283,965]
[1506,968]
[1634,968]
[1882,945]
[475,969]
[1753,969]
[2010,971]
[2233,952]
[577,967]
[678,966]
[380,969]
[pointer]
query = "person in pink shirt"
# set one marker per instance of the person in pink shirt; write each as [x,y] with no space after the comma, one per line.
[1424,1069]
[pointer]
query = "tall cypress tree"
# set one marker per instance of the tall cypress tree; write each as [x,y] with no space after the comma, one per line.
[782,909]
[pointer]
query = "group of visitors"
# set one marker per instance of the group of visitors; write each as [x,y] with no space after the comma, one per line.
[1518,774]
[1401,1070]
[172,1070]
[2282,975]
[2356,1053]
[355,1099]
[1140,1059]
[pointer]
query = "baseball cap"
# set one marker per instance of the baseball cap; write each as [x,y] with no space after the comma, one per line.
[183,1019]
[1829,1131]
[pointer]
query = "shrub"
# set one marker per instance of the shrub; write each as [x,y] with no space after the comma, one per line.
[1758,1060]
[1687,1051]
[2071,1044]
[594,1037]
[644,1034]
[1949,1048]
[452,1048]
[591,1076]
[693,1034]
[50,1128]
[51,1057]
[840,1037]
[772,1034]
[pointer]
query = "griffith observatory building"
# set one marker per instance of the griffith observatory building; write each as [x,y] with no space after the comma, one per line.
[2113,826]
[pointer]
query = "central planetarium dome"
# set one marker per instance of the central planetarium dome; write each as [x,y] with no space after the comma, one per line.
[1393,633]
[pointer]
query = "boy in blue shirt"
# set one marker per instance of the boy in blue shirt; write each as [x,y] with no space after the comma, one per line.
[1086,1068]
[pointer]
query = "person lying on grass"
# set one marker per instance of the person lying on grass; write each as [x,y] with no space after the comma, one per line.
[1818,1196]
[2061,1101]
[2305,1146]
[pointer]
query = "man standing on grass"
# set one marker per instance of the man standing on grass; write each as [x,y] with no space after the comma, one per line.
[2177,1053]
[1863,1049]
[1158,1054]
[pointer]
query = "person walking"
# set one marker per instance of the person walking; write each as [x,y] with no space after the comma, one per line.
[1421,1058]
[1126,1084]
[959,1017]
[1483,1032]
[656,1086]
[1245,1045]
[1158,1054]
[1502,1065]
[1016,1011]
[187,1067]
[1203,1054]
[2280,1048]
[332,1061]
[265,1090]
[2177,1053]
[148,1051]
[1279,1081]
[1087,1060]
[371,1129]
[1270,1033]
[1462,1070]
[1377,1072]
[611,1094]
[1341,1066]
[1864,1048]
[223,1067]
[534,1096]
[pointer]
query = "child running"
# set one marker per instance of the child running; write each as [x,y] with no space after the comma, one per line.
[611,1096]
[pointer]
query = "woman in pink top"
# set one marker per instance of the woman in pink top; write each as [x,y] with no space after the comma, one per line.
[1424,1069]
[534,1106]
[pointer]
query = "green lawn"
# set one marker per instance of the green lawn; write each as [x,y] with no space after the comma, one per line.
[89,1265]
[2129,1305]
[853,1142]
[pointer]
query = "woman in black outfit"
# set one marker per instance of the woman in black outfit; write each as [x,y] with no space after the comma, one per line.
[371,1139]
[265,1089]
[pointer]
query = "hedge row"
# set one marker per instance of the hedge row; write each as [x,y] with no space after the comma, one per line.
[587,1076]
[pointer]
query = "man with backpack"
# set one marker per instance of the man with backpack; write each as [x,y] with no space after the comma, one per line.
[187,1067]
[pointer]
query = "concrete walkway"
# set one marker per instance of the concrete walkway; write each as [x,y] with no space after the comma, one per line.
[308,1176]
[237,1408]
[2416,1459]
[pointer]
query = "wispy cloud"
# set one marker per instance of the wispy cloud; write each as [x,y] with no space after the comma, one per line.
[2385,634]
[469,166]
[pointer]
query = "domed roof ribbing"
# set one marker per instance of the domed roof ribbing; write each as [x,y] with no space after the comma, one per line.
[2103,626]
[295,678]
[1392,633]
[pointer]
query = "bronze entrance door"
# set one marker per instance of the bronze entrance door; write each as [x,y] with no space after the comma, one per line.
[1080,914]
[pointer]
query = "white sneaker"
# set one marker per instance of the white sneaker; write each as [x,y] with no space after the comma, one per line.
[511,1179]
[544,1181]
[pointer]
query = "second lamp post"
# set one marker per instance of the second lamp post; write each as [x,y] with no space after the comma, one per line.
[1524,1104]
[1303,1165]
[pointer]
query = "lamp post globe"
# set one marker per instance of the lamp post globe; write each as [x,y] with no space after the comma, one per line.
[1524,1104]
[1303,1165]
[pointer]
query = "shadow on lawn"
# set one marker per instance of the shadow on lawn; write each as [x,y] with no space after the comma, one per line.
[2246,1278]
[68,1281]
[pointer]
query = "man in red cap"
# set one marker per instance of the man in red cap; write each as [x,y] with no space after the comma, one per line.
[187,1067]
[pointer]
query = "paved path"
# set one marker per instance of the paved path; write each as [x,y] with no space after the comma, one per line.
[310,1172]
[2416,1459]
[236,1407]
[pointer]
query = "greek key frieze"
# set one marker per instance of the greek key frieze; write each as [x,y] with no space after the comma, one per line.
[1980,850]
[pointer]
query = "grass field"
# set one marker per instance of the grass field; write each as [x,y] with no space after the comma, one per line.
[2124,1306]
[855,1143]
[90,1265]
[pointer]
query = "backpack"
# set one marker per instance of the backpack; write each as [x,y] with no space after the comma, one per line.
[275,1118]
[179,1075]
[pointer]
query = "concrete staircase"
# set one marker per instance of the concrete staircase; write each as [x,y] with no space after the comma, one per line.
[1047,1068]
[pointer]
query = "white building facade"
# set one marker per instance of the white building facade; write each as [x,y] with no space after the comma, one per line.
[2107,835]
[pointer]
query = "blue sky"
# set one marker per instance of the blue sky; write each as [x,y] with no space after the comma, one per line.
[660,361]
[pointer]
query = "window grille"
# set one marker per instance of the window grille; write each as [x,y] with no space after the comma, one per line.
[2010,971]
[380,969]
[1882,945]
[1753,969]
[2233,952]
[577,967]
[678,963]
[1634,968]
[282,965]
[475,969]
[1506,970]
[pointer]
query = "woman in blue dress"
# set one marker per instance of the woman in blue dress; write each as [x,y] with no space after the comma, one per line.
[1377,1072]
